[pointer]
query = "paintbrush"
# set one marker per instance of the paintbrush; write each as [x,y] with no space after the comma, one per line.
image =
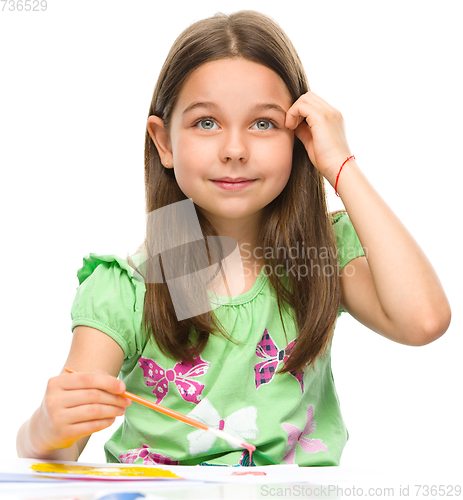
[183,418]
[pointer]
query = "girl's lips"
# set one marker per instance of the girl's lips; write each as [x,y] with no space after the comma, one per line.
[233,186]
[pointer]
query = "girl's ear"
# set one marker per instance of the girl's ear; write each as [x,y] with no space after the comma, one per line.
[161,139]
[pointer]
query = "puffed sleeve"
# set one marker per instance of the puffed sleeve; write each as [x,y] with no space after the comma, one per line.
[348,243]
[110,298]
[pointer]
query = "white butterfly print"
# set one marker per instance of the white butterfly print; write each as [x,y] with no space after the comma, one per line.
[240,424]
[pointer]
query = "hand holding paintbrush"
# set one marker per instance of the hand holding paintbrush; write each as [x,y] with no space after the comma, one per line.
[183,418]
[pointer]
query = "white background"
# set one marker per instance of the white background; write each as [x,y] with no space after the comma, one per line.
[75,90]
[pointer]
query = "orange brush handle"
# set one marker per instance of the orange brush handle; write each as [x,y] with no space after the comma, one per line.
[166,411]
[159,408]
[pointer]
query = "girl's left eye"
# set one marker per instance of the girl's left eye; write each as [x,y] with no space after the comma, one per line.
[263,124]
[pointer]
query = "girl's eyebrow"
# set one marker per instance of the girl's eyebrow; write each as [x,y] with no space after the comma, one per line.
[213,105]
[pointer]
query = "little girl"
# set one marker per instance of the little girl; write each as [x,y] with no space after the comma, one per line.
[234,131]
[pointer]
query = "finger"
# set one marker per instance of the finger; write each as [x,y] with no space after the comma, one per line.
[319,108]
[308,106]
[98,380]
[305,108]
[304,134]
[79,397]
[62,421]
[73,432]
[293,119]
[90,412]
[323,104]
[62,410]
[82,429]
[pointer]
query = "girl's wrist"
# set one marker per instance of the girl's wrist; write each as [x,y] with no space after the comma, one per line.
[338,177]
[32,445]
[31,442]
[349,158]
[332,170]
[26,440]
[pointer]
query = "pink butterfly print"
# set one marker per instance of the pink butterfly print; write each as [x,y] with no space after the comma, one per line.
[295,436]
[265,370]
[149,458]
[156,376]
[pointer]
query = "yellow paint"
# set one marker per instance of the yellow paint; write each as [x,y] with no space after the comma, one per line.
[135,472]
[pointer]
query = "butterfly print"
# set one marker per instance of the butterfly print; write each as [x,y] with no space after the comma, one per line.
[273,356]
[295,436]
[240,424]
[159,378]
[148,457]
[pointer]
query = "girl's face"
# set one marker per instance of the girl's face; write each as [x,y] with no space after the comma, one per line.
[228,125]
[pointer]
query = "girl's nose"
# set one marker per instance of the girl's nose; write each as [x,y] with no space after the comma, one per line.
[234,146]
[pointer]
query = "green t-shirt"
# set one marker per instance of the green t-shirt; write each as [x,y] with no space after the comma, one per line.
[291,418]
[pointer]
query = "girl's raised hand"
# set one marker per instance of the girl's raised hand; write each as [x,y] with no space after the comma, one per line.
[76,405]
[320,127]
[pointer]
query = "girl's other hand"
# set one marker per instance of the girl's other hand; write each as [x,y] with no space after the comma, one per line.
[76,405]
[320,127]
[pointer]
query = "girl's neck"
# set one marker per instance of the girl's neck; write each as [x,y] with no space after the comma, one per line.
[245,232]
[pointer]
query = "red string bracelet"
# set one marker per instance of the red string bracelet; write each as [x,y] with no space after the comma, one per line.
[337,178]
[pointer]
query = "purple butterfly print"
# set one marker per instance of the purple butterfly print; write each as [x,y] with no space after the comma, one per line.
[156,376]
[265,370]
[149,458]
[295,435]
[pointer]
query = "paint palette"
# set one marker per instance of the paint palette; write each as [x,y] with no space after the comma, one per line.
[113,473]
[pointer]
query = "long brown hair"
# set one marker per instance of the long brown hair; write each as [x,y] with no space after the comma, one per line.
[297,218]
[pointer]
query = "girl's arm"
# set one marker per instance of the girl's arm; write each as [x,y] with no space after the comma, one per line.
[76,405]
[394,290]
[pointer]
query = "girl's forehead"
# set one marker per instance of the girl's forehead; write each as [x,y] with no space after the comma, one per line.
[234,77]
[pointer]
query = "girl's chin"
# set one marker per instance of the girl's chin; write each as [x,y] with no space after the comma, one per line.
[229,212]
